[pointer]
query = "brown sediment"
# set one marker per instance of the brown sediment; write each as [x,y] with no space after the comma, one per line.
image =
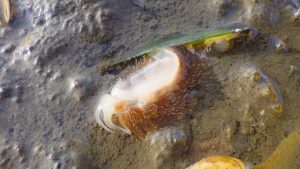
[170,105]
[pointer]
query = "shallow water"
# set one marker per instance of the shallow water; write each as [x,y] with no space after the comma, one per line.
[50,82]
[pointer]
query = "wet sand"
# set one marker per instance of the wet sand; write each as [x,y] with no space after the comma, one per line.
[51,84]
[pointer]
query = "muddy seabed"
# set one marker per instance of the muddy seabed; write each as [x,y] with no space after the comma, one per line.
[50,82]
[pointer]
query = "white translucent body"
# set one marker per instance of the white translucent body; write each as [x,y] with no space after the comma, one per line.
[140,88]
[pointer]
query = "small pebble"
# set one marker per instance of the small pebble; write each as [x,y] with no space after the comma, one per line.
[279,45]
[292,69]
[37,149]
[8,48]
[139,3]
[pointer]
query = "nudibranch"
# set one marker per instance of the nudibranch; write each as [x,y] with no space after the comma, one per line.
[154,97]
[218,162]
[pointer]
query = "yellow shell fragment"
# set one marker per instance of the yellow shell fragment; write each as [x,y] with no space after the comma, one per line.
[5,12]
[285,156]
[218,162]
